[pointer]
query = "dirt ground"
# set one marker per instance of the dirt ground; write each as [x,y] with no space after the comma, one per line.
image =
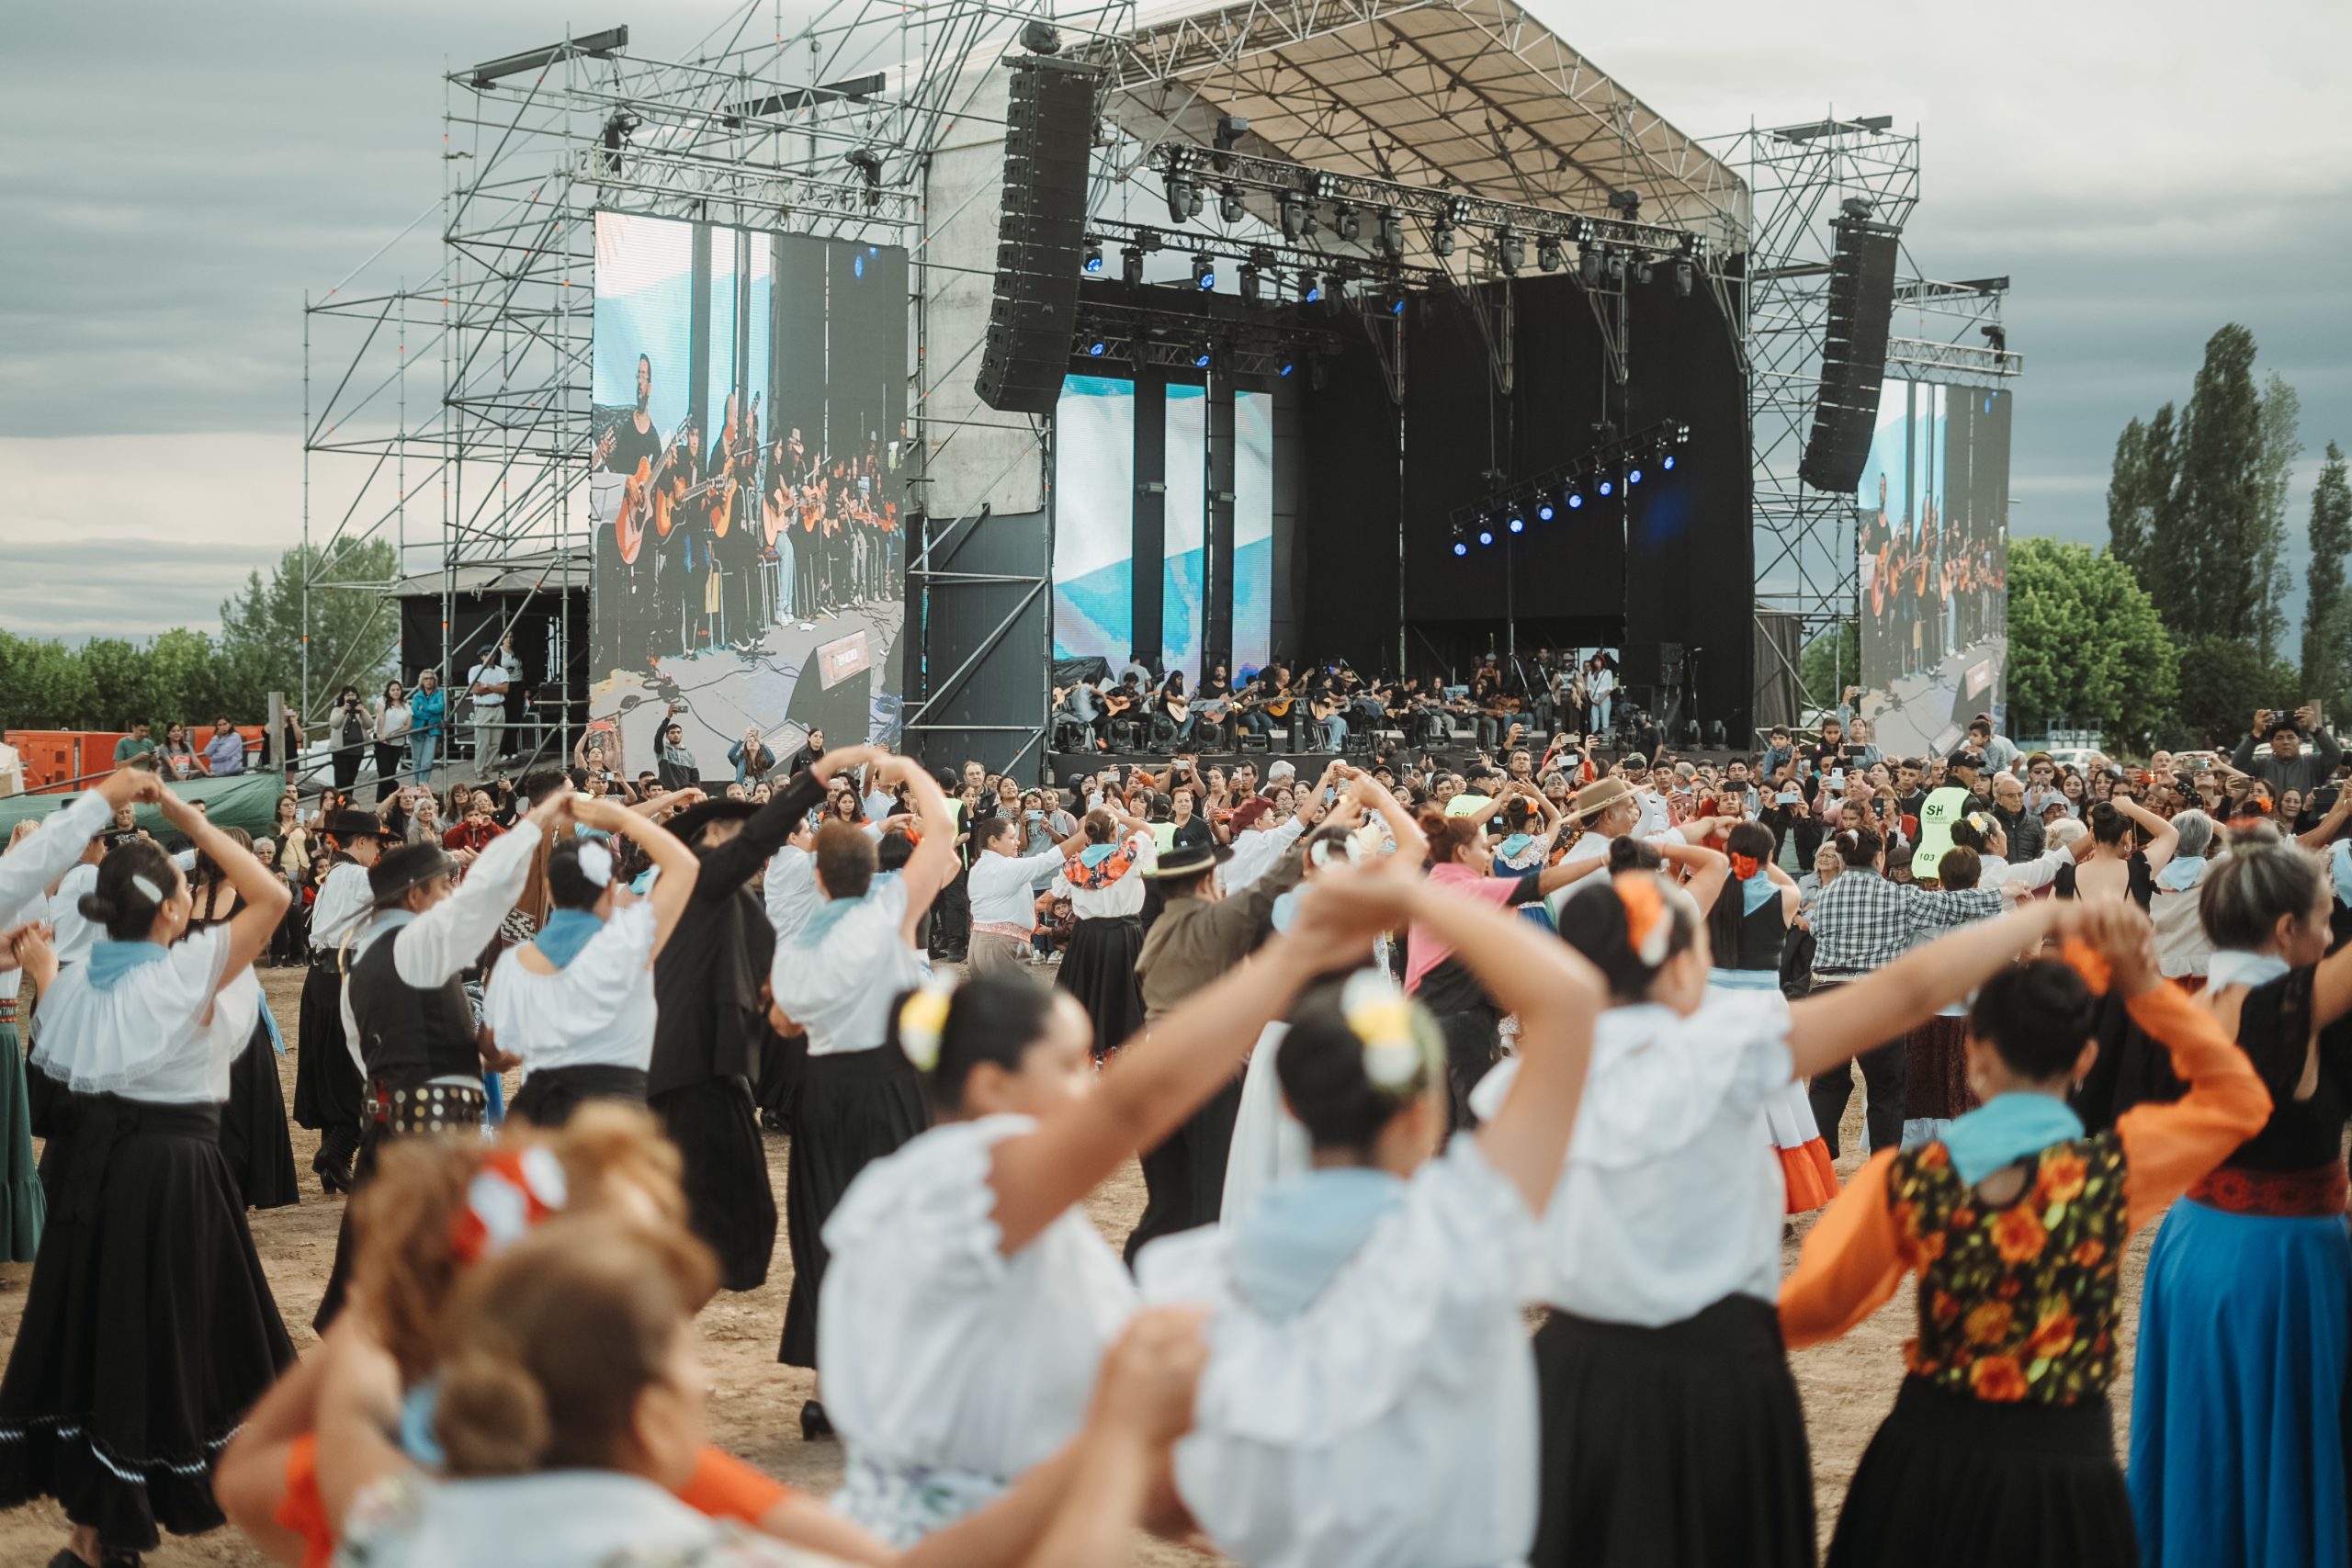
[1848,1386]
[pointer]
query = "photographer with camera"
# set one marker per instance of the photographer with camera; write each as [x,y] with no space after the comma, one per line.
[2284,767]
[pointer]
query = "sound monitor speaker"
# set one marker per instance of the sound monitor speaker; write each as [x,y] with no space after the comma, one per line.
[1652,664]
[1853,355]
[1049,153]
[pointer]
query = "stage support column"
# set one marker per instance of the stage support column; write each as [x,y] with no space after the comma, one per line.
[1216,577]
[1148,616]
[698,333]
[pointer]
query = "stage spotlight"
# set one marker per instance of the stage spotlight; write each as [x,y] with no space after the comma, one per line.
[1633,477]
[1287,367]
[1310,287]
[1229,204]
[1614,266]
[1518,523]
[1204,273]
[1576,501]
[1396,302]
[1461,549]
[1544,513]
[1345,222]
[1392,234]
[1131,264]
[1485,536]
[1589,266]
[1441,239]
[1095,349]
[1041,38]
[1607,489]
[1685,275]
[1547,253]
[1180,198]
[1298,222]
[1252,288]
[1667,462]
[1094,262]
[1200,356]
[1509,252]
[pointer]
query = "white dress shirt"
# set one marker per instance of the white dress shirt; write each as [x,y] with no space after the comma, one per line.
[1392,1421]
[1672,1197]
[839,973]
[344,902]
[915,1284]
[430,948]
[74,934]
[1004,887]
[790,891]
[597,1010]
[1255,853]
[26,871]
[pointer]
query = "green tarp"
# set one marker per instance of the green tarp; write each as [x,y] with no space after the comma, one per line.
[247,801]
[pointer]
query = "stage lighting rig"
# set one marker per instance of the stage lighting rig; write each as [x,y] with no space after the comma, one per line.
[1546,511]
[1230,128]
[1547,253]
[1486,532]
[1297,216]
[1184,198]
[1590,265]
[1626,204]
[1041,36]
[1391,234]
[1200,356]
[1510,251]
[1685,276]
[1310,289]
[868,166]
[1576,499]
[1094,348]
[1205,273]
[1092,257]
[1229,204]
[1345,222]
[1252,286]
[1131,264]
[1442,238]
[1517,520]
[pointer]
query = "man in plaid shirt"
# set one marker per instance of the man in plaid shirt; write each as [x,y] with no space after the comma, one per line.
[1862,923]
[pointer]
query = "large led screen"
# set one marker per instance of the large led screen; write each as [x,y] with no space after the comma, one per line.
[751,463]
[1934,535]
[1095,489]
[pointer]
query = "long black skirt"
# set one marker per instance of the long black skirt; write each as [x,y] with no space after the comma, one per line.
[728,1201]
[55,1112]
[1950,1479]
[782,1060]
[148,1331]
[851,1109]
[1672,1447]
[1184,1177]
[1100,971]
[326,1080]
[254,1136]
[550,1096]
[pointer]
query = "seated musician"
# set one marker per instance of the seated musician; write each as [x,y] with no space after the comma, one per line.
[1172,721]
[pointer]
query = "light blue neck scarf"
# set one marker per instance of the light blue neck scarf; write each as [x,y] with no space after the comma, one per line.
[109,960]
[2006,1129]
[1094,855]
[1292,1243]
[2181,872]
[566,933]
[2229,966]
[829,914]
[2339,865]
[1756,891]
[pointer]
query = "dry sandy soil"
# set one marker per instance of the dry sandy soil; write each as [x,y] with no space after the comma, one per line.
[1848,1386]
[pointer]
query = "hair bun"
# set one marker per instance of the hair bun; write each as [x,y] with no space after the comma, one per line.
[491,1416]
[96,908]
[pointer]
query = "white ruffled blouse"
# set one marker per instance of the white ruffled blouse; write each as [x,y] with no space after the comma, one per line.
[837,975]
[1672,1197]
[939,1352]
[148,1037]
[1392,1423]
[597,1010]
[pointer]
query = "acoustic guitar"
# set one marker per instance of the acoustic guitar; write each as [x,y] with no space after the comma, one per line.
[638,500]
[722,514]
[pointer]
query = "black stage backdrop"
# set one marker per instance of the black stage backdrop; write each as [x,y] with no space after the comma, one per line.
[1691,575]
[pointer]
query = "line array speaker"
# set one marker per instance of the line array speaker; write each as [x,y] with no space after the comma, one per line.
[1853,355]
[1049,152]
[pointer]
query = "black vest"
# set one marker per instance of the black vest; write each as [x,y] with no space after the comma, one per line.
[409,1035]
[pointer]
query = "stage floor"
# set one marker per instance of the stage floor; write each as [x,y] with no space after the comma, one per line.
[727,692]
[1928,714]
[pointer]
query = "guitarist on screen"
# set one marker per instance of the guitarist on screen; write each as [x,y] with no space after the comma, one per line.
[630,447]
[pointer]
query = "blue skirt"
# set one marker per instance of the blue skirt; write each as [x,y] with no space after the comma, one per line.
[2238,1395]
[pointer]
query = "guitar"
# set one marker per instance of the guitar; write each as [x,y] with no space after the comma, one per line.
[1321,708]
[1178,707]
[1278,703]
[1117,703]
[638,493]
[722,514]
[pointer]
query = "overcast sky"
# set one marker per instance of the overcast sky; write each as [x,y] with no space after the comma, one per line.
[182,174]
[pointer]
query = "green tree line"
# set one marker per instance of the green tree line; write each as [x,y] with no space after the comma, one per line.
[185,676]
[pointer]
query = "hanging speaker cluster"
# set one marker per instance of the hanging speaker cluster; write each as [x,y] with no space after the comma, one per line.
[1853,352]
[1049,148]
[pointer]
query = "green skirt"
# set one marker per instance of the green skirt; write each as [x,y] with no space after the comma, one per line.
[23,1206]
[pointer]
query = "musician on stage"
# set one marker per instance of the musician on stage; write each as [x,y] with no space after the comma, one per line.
[631,447]
[1213,708]
[1170,706]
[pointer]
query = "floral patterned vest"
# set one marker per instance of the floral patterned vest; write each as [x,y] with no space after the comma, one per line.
[2016,1302]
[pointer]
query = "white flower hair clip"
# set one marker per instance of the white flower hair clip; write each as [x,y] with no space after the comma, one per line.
[139,880]
[1381,1017]
[597,863]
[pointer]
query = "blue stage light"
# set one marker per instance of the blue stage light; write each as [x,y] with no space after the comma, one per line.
[1544,512]
[1667,462]
[1607,488]
[1485,536]
[1460,548]
[1518,523]
[1201,360]
[1633,478]
[1287,367]
[1095,349]
[1576,502]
